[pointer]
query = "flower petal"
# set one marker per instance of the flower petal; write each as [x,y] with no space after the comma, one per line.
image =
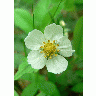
[34,39]
[57,64]
[36,59]
[65,47]
[53,32]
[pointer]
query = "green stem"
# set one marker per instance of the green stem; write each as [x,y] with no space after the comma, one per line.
[33,15]
[25,50]
[51,17]
[33,21]
[56,10]
[63,30]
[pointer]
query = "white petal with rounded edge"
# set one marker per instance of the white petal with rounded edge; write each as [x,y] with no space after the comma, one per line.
[34,39]
[65,47]
[57,64]
[53,32]
[36,59]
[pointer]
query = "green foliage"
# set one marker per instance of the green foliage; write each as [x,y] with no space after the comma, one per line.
[19,43]
[78,38]
[45,86]
[30,90]
[70,21]
[79,1]
[23,20]
[15,93]
[52,77]
[28,1]
[78,62]
[18,46]
[41,94]
[24,68]
[69,5]
[55,7]
[18,59]
[48,88]
[78,87]
[41,15]
[80,73]
[32,77]
[68,77]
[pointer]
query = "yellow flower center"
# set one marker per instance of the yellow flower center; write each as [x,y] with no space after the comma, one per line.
[49,49]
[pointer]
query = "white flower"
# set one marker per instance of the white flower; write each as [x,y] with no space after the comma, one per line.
[49,48]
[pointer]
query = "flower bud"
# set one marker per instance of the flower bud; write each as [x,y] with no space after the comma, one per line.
[62,23]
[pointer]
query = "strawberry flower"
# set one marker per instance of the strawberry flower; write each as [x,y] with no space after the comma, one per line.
[49,49]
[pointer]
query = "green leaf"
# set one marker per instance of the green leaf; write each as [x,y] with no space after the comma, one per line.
[78,62]
[69,5]
[15,93]
[28,1]
[78,38]
[48,88]
[55,7]
[79,1]
[18,59]
[41,94]
[32,77]
[78,88]
[44,86]
[18,45]
[30,90]
[68,77]
[51,77]
[41,15]
[80,73]
[24,68]
[23,20]
[21,37]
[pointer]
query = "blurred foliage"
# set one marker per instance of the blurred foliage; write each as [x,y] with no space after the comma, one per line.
[18,59]
[78,87]
[24,67]
[43,83]
[78,38]
[23,19]
[15,93]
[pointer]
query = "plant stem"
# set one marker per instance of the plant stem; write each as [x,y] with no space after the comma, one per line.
[56,10]
[51,17]
[33,15]
[25,50]
[63,30]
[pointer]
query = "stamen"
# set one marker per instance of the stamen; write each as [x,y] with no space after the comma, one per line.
[55,54]
[48,40]
[51,54]
[49,48]
[44,42]
[54,51]
[53,41]
[41,52]
[41,47]
[57,44]
[57,50]
[50,57]
[45,56]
